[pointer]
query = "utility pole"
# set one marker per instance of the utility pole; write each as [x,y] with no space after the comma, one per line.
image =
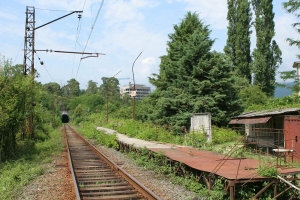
[29,60]
[28,64]
[134,92]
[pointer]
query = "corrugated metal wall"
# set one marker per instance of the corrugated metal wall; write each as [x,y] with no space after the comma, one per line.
[292,134]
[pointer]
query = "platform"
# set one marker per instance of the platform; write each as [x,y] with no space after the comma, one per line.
[207,161]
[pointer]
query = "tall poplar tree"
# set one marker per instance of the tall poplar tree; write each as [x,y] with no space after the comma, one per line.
[267,54]
[238,42]
[192,78]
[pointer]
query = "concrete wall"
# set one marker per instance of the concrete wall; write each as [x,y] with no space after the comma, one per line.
[202,122]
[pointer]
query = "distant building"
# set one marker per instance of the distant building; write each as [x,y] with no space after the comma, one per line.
[140,91]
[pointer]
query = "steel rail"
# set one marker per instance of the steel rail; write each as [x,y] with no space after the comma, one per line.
[71,165]
[144,191]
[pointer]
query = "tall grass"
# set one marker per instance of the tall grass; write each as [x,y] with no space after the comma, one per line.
[27,164]
[152,132]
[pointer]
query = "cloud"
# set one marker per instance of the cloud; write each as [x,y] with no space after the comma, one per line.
[284,30]
[213,11]
[121,11]
[149,61]
[144,3]
[7,16]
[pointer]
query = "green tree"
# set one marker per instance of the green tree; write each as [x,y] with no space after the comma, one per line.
[238,42]
[92,87]
[192,78]
[15,90]
[253,95]
[267,54]
[73,88]
[110,88]
[53,88]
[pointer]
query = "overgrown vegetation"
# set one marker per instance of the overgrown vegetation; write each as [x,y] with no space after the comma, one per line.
[27,163]
[161,165]
[191,79]
[267,169]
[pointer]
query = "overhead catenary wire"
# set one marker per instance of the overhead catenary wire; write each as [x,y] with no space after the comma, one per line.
[18,52]
[53,10]
[42,63]
[77,36]
[90,35]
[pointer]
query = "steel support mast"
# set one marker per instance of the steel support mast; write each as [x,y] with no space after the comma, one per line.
[28,64]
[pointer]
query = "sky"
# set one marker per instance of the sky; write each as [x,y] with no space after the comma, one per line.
[120,29]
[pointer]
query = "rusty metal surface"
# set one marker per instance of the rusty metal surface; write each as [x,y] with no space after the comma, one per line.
[292,136]
[268,113]
[257,120]
[96,178]
[231,169]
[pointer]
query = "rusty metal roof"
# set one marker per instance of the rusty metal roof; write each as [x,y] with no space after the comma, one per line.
[257,120]
[232,168]
[267,113]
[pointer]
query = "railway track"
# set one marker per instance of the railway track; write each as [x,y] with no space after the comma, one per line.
[96,177]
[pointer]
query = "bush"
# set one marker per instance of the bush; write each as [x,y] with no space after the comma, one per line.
[267,169]
[222,135]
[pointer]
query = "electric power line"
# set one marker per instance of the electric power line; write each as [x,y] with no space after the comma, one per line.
[90,34]
[77,36]
[52,10]
[42,63]
[18,53]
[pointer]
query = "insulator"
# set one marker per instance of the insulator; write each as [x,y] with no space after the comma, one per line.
[42,63]
[79,16]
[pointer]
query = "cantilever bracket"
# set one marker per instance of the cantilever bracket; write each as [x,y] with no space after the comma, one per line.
[97,55]
[58,19]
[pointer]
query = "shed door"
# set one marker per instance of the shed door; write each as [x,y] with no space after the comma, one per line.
[292,133]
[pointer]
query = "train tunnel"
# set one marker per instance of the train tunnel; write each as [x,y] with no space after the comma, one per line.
[65,118]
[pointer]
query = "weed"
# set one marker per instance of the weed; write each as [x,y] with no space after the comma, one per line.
[27,164]
[267,169]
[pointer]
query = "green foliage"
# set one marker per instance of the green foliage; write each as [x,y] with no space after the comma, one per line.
[93,102]
[52,88]
[267,169]
[159,164]
[287,75]
[223,135]
[15,91]
[145,131]
[267,54]
[109,88]
[238,42]
[253,95]
[92,88]
[89,130]
[277,103]
[195,139]
[27,164]
[72,88]
[192,79]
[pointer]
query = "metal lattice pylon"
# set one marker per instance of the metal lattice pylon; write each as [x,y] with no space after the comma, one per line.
[28,65]
[29,41]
